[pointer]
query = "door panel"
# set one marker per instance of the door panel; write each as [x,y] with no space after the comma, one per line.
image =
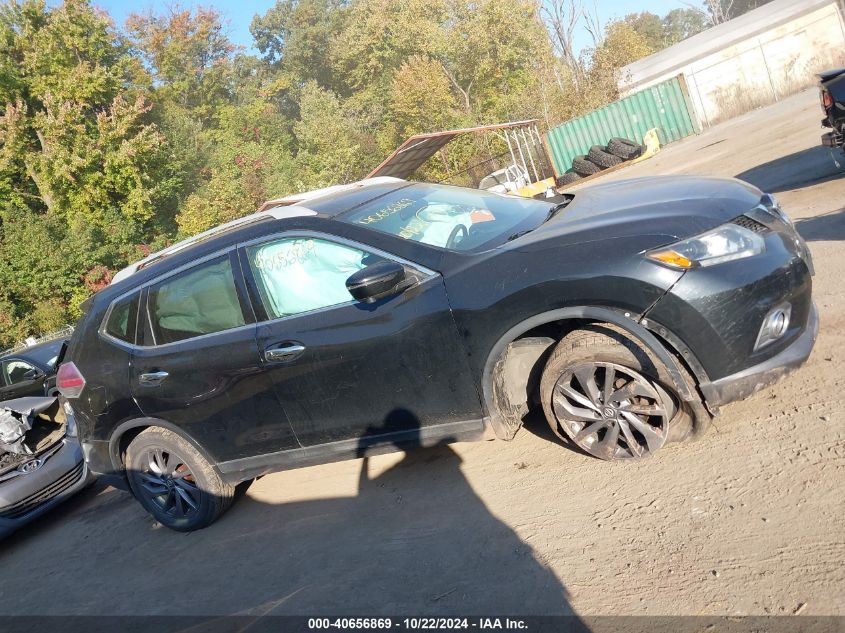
[14,384]
[209,383]
[352,370]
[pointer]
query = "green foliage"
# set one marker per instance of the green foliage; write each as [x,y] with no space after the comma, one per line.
[83,172]
[116,142]
[189,55]
[679,24]
[674,27]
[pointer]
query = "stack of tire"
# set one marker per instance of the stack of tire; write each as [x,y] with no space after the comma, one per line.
[599,158]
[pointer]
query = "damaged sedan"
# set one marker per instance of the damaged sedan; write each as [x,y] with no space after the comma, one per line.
[41,461]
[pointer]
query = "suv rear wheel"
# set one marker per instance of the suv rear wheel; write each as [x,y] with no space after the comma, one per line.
[604,392]
[174,482]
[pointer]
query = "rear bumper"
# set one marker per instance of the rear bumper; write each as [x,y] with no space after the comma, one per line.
[747,382]
[98,459]
[29,495]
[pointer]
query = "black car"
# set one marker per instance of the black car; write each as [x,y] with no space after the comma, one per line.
[389,314]
[30,371]
[832,95]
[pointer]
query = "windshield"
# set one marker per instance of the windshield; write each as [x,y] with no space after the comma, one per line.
[45,354]
[450,217]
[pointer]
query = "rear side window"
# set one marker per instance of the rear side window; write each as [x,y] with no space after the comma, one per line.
[200,301]
[121,319]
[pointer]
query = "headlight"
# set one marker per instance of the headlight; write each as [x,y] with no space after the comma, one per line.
[722,244]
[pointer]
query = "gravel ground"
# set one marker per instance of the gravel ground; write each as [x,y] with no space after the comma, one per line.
[748,520]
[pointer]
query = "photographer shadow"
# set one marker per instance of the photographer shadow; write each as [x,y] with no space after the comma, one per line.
[435,542]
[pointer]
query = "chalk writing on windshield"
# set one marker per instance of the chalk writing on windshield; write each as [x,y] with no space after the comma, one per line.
[386,212]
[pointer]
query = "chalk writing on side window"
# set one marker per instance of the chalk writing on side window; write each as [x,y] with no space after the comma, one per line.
[283,255]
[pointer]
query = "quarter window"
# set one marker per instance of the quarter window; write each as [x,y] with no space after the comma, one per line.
[200,301]
[300,274]
[121,323]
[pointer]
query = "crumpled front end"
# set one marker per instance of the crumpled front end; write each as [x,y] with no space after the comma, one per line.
[40,463]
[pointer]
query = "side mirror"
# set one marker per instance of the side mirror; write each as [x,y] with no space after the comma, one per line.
[377,281]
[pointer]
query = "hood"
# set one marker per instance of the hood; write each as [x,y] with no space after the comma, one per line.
[672,206]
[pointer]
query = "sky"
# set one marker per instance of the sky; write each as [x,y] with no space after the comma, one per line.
[239,13]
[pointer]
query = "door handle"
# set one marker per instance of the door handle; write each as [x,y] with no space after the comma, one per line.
[152,379]
[279,354]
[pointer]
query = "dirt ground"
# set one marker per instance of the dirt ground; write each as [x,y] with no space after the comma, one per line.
[748,520]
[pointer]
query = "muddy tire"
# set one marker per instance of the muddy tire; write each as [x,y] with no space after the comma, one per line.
[603,159]
[608,396]
[623,148]
[583,167]
[174,482]
[568,178]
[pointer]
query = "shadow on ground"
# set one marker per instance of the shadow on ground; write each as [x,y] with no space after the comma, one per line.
[802,169]
[415,540]
[829,227]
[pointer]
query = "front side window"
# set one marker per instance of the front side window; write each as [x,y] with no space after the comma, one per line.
[450,217]
[15,371]
[300,274]
[202,300]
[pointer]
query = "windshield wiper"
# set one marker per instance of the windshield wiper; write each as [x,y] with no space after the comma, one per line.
[552,212]
[515,236]
[560,206]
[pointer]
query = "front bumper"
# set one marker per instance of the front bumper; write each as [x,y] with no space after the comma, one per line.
[31,494]
[749,381]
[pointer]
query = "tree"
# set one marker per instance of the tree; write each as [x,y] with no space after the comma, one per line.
[562,19]
[650,26]
[329,152]
[422,97]
[679,24]
[296,36]
[189,55]
[80,163]
[249,160]
[622,45]
[720,11]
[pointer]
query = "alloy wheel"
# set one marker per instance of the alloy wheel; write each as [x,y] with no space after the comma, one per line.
[611,411]
[169,483]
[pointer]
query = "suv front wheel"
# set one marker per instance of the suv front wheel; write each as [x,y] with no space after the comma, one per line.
[606,394]
[174,482]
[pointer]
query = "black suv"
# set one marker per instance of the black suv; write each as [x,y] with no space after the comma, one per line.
[387,314]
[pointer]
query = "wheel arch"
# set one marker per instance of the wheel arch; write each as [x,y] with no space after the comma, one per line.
[127,431]
[499,410]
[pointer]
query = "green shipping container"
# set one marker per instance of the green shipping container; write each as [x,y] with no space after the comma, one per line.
[664,106]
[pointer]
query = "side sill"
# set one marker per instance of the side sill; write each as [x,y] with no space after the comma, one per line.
[237,470]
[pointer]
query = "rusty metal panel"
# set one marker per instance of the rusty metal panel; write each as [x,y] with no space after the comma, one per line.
[664,106]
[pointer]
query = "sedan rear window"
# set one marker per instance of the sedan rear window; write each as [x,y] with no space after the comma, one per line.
[450,217]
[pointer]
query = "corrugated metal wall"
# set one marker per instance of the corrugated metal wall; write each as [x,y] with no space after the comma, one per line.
[664,106]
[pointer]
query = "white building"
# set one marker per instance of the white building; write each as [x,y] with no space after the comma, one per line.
[753,60]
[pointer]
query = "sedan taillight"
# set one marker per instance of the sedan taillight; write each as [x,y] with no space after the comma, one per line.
[69,380]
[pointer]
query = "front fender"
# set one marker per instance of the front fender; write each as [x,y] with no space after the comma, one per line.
[624,320]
